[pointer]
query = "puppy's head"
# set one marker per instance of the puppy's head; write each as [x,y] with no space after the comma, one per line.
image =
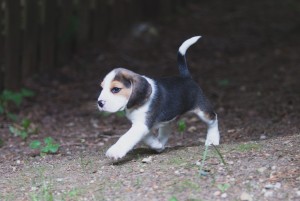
[122,88]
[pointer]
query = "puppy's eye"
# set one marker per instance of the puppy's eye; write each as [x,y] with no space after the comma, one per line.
[115,90]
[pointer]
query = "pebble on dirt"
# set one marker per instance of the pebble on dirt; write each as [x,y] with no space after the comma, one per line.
[147,160]
[246,197]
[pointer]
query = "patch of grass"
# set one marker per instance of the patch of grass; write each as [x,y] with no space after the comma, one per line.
[187,184]
[201,172]
[205,153]
[99,194]
[138,182]
[45,194]
[219,154]
[87,165]
[178,161]
[84,163]
[45,190]
[73,194]
[9,197]
[117,185]
[248,147]
[223,187]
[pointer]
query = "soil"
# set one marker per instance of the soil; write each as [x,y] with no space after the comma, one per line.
[247,63]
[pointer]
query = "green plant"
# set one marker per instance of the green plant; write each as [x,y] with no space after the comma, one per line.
[173,199]
[224,83]
[8,197]
[138,182]
[223,187]
[203,173]
[248,147]
[187,184]
[45,191]
[219,154]
[71,195]
[46,194]
[178,161]
[49,146]
[24,129]
[7,97]
[85,163]
[118,114]
[181,126]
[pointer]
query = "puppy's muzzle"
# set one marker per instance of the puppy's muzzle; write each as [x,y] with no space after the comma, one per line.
[101,103]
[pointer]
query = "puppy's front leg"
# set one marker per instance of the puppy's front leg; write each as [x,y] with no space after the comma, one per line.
[127,141]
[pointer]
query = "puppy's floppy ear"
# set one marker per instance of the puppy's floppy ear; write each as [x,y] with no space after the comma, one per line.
[140,88]
[141,91]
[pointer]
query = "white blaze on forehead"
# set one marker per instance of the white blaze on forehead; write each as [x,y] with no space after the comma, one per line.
[108,79]
[111,102]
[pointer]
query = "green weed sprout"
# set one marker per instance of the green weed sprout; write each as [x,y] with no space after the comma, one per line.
[181,126]
[48,147]
[201,172]
[223,187]
[173,199]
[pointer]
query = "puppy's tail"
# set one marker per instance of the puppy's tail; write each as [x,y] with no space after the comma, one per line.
[183,68]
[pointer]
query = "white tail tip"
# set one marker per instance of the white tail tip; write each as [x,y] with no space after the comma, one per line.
[186,44]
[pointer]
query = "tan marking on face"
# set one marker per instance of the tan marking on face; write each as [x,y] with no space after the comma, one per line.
[124,91]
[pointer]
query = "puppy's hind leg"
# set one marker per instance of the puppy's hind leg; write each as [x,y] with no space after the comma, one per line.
[163,135]
[210,118]
[153,142]
[158,143]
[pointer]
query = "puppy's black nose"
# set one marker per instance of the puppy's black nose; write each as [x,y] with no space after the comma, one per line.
[101,103]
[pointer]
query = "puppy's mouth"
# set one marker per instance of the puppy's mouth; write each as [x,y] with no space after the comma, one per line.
[103,109]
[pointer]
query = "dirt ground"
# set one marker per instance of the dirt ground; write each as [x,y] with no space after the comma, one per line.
[247,63]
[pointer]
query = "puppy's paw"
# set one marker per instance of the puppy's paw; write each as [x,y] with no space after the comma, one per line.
[157,146]
[159,150]
[213,136]
[213,139]
[209,142]
[115,152]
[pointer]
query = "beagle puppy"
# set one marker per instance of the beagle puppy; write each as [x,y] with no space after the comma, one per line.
[154,103]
